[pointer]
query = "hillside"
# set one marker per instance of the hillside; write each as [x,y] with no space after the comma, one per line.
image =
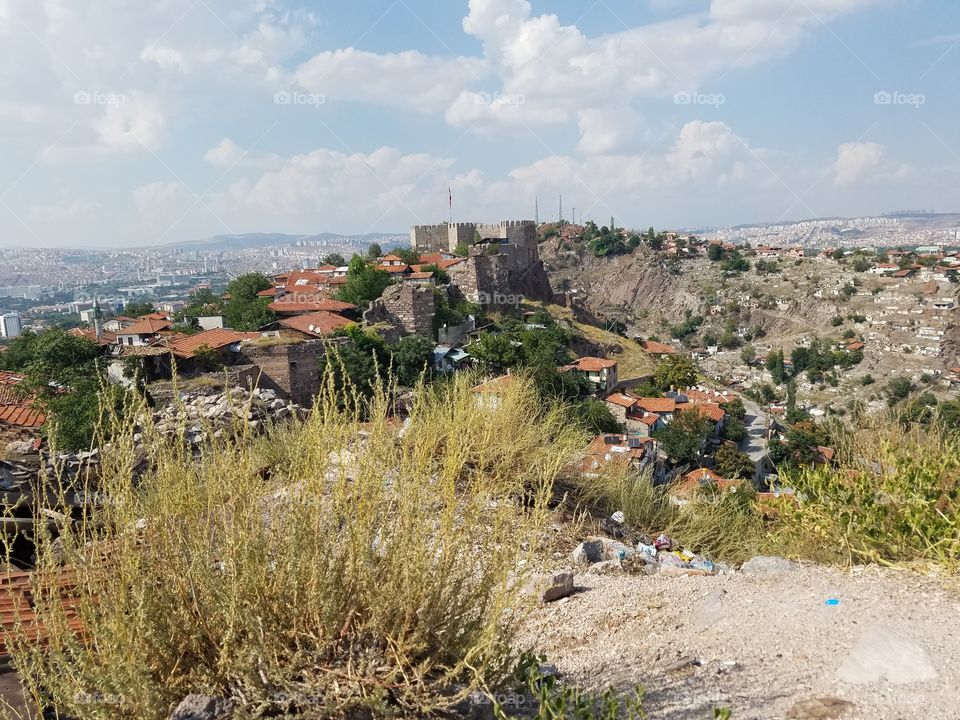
[777,303]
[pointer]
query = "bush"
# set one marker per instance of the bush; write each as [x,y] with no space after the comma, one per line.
[319,569]
[893,497]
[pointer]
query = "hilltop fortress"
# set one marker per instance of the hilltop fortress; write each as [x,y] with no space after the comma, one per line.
[447,237]
[502,259]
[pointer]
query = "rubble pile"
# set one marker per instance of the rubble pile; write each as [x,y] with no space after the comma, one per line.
[199,412]
[650,557]
[201,415]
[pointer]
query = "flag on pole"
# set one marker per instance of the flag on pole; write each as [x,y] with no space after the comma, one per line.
[450,196]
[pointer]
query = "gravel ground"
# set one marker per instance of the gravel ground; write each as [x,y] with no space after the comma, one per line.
[887,646]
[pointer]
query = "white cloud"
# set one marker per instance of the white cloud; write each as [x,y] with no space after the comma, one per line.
[610,130]
[134,123]
[228,155]
[408,79]
[855,161]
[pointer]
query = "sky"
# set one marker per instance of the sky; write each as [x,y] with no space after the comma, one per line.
[132,123]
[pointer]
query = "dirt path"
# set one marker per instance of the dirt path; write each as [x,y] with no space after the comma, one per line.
[885,642]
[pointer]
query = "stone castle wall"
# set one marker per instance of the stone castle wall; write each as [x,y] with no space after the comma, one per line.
[403,309]
[446,236]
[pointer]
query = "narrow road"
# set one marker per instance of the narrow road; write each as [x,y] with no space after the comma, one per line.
[755,443]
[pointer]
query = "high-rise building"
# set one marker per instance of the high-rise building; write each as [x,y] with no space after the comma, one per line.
[10,325]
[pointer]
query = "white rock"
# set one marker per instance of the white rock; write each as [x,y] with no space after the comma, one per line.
[885,654]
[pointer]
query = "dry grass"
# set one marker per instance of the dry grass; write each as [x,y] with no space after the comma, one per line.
[632,361]
[326,567]
[725,527]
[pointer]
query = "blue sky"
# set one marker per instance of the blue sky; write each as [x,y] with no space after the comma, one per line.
[130,124]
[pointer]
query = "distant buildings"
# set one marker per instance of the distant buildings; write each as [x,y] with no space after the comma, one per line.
[10,325]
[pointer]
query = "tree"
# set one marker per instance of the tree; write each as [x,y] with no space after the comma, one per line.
[374,251]
[714,252]
[675,371]
[777,366]
[734,263]
[244,310]
[335,259]
[748,354]
[731,463]
[137,309]
[203,302]
[594,416]
[496,351]
[684,436]
[365,283]
[793,414]
[64,378]
[411,358]
[897,389]
[440,275]
[408,255]
[360,363]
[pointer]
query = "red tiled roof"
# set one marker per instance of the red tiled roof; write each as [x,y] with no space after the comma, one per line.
[392,258]
[419,276]
[444,264]
[657,405]
[269,292]
[149,326]
[433,258]
[299,304]
[154,316]
[594,364]
[317,324]
[21,416]
[498,384]
[709,396]
[694,480]
[855,346]
[655,348]
[622,400]
[394,269]
[300,278]
[710,410]
[90,334]
[187,346]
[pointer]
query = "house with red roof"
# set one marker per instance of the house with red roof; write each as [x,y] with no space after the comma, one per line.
[657,349]
[686,488]
[617,452]
[316,324]
[143,332]
[601,373]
